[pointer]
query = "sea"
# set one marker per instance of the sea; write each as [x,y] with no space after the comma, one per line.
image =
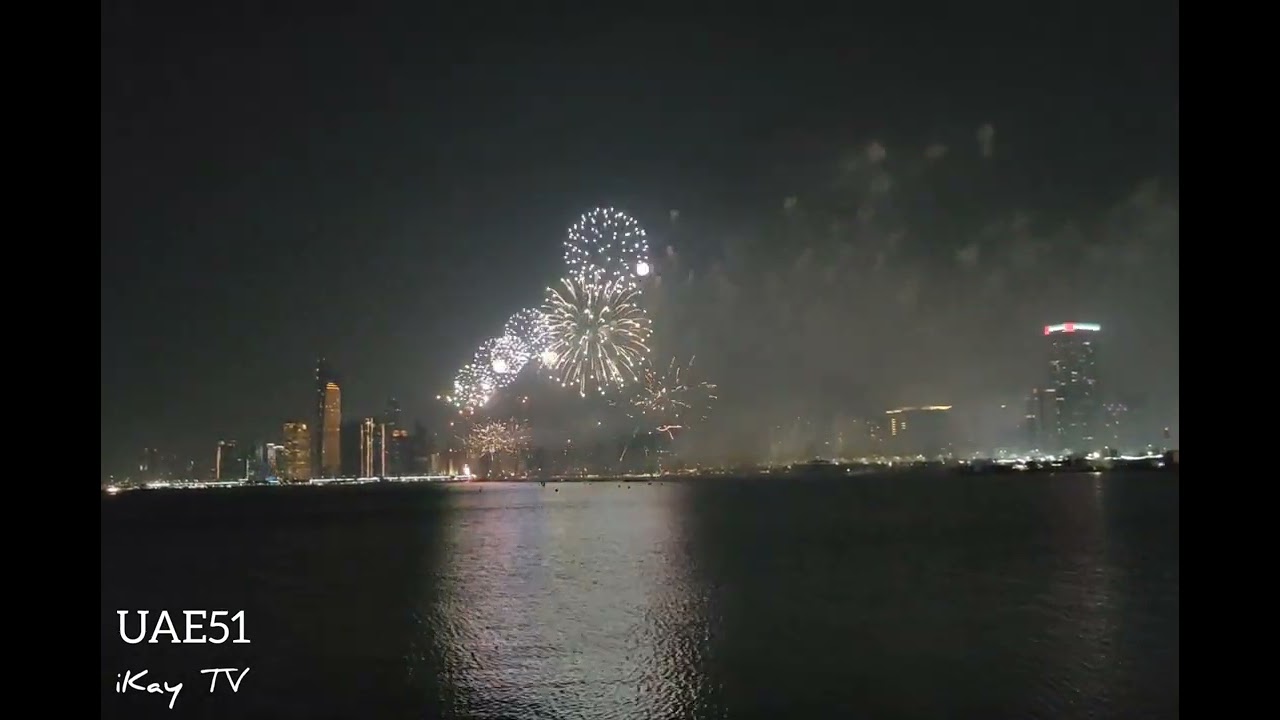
[900,595]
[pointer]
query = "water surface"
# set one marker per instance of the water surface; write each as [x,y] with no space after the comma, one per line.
[903,596]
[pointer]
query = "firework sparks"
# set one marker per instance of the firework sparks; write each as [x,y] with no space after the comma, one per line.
[474,384]
[672,400]
[607,246]
[596,332]
[495,365]
[529,326]
[506,356]
[495,437]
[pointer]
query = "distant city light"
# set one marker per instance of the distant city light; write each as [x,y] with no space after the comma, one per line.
[1071,327]
[914,409]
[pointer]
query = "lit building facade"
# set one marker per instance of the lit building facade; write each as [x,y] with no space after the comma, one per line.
[919,432]
[273,459]
[370,430]
[1073,376]
[296,463]
[323,378]
[331,451]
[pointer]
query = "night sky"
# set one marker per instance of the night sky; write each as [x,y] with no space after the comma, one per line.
[385,186]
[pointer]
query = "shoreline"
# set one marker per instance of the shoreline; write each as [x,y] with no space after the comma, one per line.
[835,471]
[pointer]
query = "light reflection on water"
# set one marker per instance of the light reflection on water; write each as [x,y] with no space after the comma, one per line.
[1097,605]
[554,604]
[902,596]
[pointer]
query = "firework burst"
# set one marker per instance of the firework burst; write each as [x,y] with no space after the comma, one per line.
[606,246]
[495,437]
[529,326]
[671,400]
[596,333]
[506,356]
[473,385]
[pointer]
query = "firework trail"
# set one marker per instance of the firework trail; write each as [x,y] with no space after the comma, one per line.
[597,333]
[607,246]
[671,400]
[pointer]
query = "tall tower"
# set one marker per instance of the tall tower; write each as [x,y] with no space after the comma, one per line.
[1073,376]
[297,452]
[224,460]
[321,434]
[331,434]
[368,428]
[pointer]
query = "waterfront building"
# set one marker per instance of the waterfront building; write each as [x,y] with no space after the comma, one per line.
[1073,376]
[331,434]
[225,461]
[326,428]
[297,453]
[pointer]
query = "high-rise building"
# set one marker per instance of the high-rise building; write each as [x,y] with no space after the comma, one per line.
[1073,376]
[150,465]
[421,450]
[919,431]
[273,460]
[331,451]
[1041,421]
[325,377]
[225,461]
[296,465]
[370,430]
[253,462]
[398,451]
[352,454]
[392,416]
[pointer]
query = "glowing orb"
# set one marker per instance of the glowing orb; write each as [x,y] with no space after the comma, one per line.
[642,268]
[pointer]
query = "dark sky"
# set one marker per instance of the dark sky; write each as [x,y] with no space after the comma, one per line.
[385,184]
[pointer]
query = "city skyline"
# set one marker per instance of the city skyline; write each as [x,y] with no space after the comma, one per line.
[1057,418]
[868,222]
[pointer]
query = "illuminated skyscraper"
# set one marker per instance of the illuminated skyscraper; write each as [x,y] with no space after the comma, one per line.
[296,465]
[369,429]
[273,459]
[324,376]
[331,434]
[381,446]
[1073,376]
